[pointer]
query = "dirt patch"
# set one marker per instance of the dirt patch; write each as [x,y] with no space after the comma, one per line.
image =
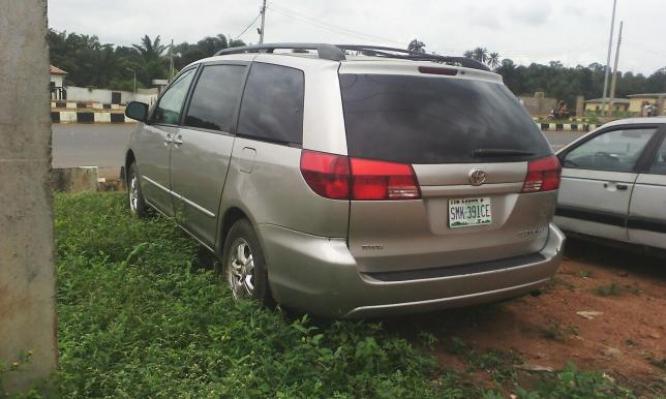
[605,310]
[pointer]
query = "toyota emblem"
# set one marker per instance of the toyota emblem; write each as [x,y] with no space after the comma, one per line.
[477,177]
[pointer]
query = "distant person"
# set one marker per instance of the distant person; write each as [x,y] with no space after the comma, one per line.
[645,109]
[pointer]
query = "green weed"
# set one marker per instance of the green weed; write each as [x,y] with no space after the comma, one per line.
[138,318]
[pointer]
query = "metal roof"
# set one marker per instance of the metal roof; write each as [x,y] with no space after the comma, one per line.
[54,70]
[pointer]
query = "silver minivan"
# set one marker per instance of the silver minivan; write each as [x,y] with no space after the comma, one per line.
[352,181]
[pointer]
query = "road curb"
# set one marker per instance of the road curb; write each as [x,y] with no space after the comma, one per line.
[567,127]
[88,117]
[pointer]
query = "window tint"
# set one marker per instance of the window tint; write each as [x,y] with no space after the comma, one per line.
[215,97]
[416,119]
[614,151]
[272,106]
[171,103]
[659,165]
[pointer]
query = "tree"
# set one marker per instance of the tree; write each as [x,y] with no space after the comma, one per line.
[150,50]
[480,54]
[493,60]
[416,46]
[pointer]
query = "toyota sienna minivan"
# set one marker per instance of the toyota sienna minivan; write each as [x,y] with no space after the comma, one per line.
[351,181]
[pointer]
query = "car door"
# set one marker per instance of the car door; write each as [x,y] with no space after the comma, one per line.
[153,145]
[647,213]
[598,177]
[203,145]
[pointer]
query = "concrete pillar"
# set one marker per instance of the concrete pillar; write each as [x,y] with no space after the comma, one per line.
[580,106]
[540,98]
[27,289]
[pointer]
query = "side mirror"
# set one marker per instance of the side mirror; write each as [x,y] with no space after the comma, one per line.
[137,111]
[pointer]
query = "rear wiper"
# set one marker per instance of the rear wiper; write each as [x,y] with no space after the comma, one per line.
[499,152]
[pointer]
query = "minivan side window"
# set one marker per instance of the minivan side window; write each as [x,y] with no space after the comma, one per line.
[613,151]
[171,103]
[215,97]
[272,107]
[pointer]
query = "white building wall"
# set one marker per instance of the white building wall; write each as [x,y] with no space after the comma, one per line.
[82,94]
[57,79]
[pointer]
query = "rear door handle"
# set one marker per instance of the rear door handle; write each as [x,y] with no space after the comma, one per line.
[168,140]
[178,140]
[618,186]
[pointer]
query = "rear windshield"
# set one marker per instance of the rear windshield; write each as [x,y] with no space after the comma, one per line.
[426,120]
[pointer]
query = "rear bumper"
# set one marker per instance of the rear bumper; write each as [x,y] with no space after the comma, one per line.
[320,275]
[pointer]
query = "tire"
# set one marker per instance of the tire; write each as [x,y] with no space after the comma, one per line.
[135,200]
[244,267]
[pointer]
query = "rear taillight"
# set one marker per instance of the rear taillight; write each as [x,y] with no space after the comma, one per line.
[543,175]
[378,180]
[326,174]
[341,177]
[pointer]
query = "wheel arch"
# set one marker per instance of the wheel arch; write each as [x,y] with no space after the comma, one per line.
[129,159]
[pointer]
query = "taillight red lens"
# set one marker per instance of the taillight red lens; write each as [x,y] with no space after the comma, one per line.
[543,175]
[326,174]
[339,177]
[379,180]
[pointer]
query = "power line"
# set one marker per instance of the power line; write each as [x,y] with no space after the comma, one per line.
[248,27]
[291,13]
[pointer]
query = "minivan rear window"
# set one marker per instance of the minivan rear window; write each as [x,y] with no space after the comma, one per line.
[426,120]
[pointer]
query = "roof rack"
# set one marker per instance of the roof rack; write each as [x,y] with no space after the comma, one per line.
[324,51]
[392,52]
[338,53]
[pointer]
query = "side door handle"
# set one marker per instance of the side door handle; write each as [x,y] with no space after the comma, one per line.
[178,140]
[617,186]
[168,140]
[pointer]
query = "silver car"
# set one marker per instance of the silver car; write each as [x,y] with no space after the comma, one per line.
[352,181]
[614,183]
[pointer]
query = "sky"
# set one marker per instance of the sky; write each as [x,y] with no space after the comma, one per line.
[571,31]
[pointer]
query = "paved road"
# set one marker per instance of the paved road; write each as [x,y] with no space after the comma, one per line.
[560,139]
[104,145]
[89,145]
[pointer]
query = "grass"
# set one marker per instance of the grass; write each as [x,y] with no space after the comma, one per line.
[140,317]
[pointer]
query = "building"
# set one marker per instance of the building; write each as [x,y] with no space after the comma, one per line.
[597,105]
[637,101]
[57,83]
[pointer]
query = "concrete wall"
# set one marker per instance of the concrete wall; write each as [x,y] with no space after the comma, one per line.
[538,105]
[27,290]
[636,104]
[103,96]
[598,106]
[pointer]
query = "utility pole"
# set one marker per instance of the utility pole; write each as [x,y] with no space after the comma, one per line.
[263,23]
[171,67]
[615,71]
[608,59]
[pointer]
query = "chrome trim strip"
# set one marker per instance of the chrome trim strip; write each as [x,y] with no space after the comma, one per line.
[156,184]
[442,301]
[194,205]
[180,197]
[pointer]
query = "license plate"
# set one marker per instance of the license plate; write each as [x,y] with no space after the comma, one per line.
[467,212]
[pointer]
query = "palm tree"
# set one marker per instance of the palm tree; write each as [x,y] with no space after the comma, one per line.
[493,60]
[480,54]
[150,49]
[416,46]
